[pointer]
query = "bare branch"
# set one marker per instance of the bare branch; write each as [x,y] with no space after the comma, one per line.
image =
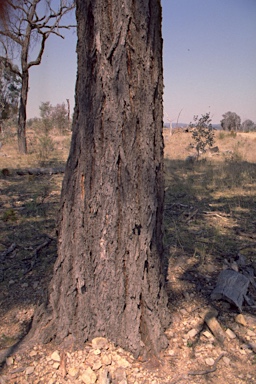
[27,26]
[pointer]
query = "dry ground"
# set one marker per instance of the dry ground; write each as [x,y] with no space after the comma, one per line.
[210,219]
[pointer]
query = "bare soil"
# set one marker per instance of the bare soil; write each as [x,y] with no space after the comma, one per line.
[210,219]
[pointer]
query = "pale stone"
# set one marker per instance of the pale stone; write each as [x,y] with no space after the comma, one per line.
[230,334]
[103,377]
[106,359]
[97,365]
[192,333]
[241,319]
[73,372]
[120,375]
[97,352]
[226,360]
[208,334]
[122,362]
[184,312]
[9,361]
[88,376]
[29,370]
[55,356]
[209,361]
[251,333]
[56,365]
[99,343]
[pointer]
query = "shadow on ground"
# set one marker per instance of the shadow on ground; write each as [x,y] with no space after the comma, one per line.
[209,219]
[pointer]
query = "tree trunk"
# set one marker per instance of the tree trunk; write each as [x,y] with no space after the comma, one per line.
[22,141]
[108,277]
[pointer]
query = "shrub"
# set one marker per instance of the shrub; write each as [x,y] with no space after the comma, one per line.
[202,133]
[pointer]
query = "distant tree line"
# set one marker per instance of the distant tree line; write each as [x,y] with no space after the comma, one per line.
[232,122]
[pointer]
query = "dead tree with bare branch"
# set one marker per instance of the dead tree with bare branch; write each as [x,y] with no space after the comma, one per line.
[25,28]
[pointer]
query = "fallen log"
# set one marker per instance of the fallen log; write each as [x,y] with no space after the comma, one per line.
[40,171]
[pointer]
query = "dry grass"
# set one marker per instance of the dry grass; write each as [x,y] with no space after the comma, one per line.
[210,207]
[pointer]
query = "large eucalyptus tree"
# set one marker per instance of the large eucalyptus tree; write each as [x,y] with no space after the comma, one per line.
[108,277]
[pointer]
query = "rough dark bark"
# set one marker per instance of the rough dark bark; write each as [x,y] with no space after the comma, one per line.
[108,279]
[22,141]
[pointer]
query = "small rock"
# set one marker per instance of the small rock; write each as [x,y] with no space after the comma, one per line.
[99,343]
[241,320]
[209,361]
[103,377]
[192,333]
[97,365]
[88,376]
[55,356]
[106,359]
[73,372]
[9,361]
[183,311]
[29,370]
[120,375]
[230,334]
[251,333]
[208,334]
[3,380]
[56,365]
[122,362]
[97,352]
[226,360]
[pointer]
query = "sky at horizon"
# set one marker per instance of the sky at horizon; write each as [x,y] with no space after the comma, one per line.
[209,62]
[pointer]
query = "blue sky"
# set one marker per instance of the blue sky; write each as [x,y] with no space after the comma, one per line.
[209,61]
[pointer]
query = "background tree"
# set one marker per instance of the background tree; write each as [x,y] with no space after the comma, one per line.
[202,133]
[108,277]
[248,126]
[60,117]
[10,85]
[46,109]
[27,25]
[231,121]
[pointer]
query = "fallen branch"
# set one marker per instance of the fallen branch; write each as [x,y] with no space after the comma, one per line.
[38,248]
[40,171]
[206,371]
[223,216]
[7,251]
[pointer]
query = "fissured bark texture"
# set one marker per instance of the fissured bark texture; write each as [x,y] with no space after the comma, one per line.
[108,278]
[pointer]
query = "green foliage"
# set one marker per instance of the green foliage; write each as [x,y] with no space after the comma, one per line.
[45,148]
[10,86]
[60,117]
[248,126]
[9,215]
[202,133]
[46,118]
[54,117]
[231,122]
